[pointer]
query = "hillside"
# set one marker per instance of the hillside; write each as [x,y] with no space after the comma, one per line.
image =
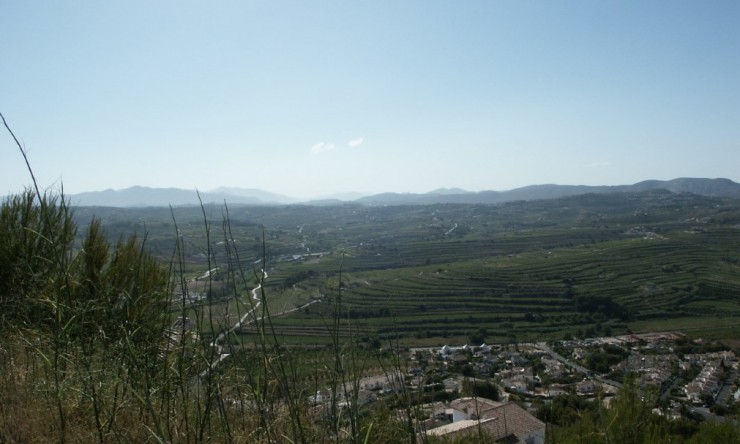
[576,265]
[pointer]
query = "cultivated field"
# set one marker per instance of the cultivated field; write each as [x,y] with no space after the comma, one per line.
[579,266]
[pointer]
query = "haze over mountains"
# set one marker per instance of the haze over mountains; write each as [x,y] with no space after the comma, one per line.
[138,196]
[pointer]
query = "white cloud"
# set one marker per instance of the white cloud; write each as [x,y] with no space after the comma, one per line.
[325,147]
[355,142]
[322,147]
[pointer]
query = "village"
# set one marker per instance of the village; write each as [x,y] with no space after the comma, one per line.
[499,387]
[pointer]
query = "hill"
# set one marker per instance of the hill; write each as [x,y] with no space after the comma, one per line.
[580,264]
[152,197]
[698,186]
[138,196]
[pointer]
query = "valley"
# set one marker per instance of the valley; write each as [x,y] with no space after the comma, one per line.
[578,266]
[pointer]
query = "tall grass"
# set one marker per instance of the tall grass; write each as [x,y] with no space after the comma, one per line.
[90,351]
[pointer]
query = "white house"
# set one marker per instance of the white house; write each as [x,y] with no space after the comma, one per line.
[499,421]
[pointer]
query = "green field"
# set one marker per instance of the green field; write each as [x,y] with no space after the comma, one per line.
[584,266]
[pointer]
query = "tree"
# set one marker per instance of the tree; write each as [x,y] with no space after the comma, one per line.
[97,293]
[482,389]
[630,417]
[36,235]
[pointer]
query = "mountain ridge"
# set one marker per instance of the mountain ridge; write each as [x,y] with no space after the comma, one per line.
[140,196]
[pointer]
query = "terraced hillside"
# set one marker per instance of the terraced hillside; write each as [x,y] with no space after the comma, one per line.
[583,265]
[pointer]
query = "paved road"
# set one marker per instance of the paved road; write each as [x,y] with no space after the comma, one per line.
[219,338]
[579,368]
[667,390]
[248,318]
[726,390]
[243,321]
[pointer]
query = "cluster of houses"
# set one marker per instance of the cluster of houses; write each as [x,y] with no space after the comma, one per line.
[468,416]
[448,352]
[652,369]
[512,369]
[707,383]
[474,417]
[535,370]
[651,357]
[500,421]
[481,358]
[368,389]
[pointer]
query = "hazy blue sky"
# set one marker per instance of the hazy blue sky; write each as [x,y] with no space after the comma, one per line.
[309,98]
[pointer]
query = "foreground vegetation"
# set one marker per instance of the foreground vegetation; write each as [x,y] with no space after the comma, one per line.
[89,354]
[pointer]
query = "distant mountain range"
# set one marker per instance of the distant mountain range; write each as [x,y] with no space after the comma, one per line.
[153,197]
[157,197]
[703,187]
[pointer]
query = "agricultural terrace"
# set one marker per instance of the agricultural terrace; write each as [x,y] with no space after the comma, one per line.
[578,266]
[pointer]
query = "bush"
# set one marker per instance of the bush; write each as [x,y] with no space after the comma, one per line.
[36,237]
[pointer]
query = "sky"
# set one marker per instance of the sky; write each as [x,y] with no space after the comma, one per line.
[312,98]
